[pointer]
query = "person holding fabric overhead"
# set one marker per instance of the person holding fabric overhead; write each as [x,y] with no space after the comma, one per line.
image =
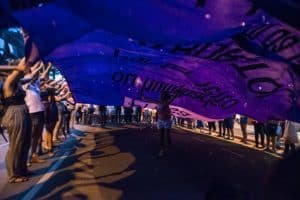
[17,122]
[36,111]
[164,122]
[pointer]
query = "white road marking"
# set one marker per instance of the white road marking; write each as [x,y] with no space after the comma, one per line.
[45,178]
[234,153]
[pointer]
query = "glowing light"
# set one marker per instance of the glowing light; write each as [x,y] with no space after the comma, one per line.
[53,22]
[243,23]
[207,16]
[138,81]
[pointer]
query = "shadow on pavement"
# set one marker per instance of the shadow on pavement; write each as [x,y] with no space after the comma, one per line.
[123,164]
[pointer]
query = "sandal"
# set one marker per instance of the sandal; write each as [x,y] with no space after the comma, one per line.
[18,179]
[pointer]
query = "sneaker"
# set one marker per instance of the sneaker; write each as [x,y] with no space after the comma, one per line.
[29,164]
[36,159]
[50,154]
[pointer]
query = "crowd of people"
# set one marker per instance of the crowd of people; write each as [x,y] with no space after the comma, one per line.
[32,104]
[267,135]
[35,105]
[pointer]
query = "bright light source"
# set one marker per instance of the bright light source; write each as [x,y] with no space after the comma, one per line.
[207,16]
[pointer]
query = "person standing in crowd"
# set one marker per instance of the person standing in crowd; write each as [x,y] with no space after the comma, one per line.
[96,116]
[36,111]
[154,117]
[200,125]
[138,112]
[211,126]
[66,119]
[229,125]
[290,137]
[84,115]
[16,120]
[71,107]
[128,114]
[118,114]
[78,114]
[221,128]
[271,128]
[243,124]
[51,117]
[259,131]
[58,126]
[103,115]
[91,111]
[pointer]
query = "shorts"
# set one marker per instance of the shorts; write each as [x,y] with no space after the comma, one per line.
[164,124]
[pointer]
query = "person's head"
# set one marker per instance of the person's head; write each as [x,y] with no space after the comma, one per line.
[164,97]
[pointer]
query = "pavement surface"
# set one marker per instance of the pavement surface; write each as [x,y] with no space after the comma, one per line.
[122,163]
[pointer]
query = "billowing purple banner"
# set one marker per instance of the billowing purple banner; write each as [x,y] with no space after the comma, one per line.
[175,110]
[213,89]
[128,48]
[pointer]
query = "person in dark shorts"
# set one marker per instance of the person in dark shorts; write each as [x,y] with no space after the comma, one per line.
[271,128]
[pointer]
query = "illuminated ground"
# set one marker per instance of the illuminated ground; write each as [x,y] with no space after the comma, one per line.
[122,163]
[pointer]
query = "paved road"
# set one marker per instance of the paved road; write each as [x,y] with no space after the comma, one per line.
[122,163]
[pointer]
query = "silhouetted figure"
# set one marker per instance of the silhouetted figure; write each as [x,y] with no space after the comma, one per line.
[103,116]
[229,125]
[78,115]
[221,128]
[91,111]
[211,126]
[259,131]
[243,124]
[118,114]
[138,114]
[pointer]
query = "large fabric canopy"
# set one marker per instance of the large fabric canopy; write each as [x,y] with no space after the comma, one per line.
[224,60]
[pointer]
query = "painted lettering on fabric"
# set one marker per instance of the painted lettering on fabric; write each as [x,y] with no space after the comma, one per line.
[207,93]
